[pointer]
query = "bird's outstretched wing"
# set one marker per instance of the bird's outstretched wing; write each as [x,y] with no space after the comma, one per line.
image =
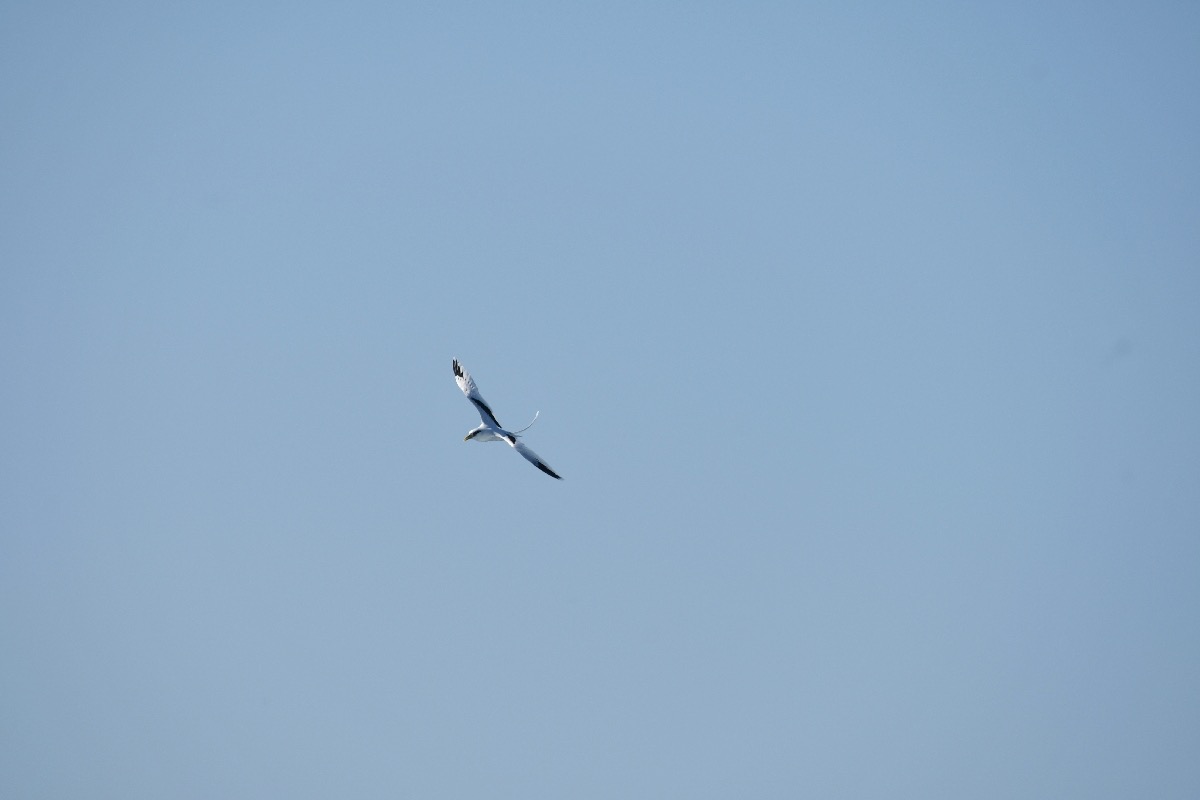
[467,384]
[532,457]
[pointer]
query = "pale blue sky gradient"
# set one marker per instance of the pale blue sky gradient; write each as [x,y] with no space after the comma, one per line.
[866,338]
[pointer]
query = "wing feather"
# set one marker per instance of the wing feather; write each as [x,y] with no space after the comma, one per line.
[467,384]
[532,457]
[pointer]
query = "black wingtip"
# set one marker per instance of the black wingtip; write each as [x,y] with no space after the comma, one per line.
[548,471]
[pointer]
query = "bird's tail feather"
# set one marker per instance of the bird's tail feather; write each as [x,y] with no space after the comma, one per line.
[530,425]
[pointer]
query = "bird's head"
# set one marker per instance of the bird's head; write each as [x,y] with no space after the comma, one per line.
[470,436]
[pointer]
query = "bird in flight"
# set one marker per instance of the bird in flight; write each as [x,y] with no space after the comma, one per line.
[489,430]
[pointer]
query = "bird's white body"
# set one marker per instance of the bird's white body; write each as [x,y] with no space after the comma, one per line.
[487,434]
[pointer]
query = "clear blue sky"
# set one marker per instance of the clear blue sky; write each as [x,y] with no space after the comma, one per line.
[866,337]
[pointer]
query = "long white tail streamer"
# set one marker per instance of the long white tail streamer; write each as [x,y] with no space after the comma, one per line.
[530,425]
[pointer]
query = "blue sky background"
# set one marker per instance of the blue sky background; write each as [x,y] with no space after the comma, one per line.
[866,337]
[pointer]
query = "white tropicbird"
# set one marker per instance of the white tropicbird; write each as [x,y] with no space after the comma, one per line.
[490,430]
